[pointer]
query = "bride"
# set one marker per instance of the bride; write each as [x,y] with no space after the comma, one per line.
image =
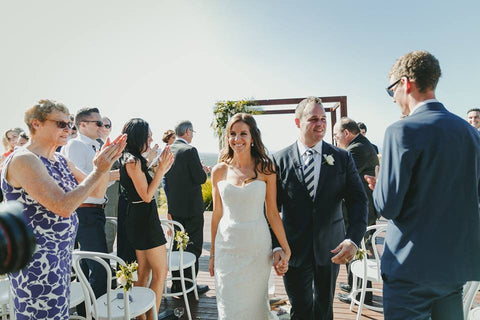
[243,184]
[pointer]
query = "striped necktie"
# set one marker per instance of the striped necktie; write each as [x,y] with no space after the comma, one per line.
[308,172]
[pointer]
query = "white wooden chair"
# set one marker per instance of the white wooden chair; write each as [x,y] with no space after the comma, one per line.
[469,291]
[6,301]
[367,270]
[115,304]
[179,261]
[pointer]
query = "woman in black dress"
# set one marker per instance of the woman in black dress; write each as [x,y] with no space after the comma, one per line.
[143,228]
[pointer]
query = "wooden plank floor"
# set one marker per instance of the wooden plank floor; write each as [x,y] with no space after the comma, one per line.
[206,307]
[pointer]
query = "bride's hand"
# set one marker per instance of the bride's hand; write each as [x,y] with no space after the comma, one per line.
[211,266]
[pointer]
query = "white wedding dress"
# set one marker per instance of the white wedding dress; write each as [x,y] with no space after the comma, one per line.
[243,253]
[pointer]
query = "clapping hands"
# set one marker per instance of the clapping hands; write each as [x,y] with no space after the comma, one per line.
[110,152]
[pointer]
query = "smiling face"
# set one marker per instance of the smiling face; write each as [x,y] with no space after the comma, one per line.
[50,131]
[12,138]
[473,117]
[239,137]
[312,124]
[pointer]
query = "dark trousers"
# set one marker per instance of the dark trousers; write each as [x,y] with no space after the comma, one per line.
[407,300]
[91,237]
[310,289]
[194,227]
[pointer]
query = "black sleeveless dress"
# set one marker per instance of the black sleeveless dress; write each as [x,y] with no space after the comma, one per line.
[143,227]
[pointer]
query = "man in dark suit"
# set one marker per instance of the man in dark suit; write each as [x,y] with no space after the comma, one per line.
[185,201]
[313,178]
[347,134]
[363,131]
[428,186]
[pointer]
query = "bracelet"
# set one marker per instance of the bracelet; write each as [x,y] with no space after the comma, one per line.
[212,256]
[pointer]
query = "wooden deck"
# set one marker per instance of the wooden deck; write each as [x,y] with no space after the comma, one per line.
[206,307]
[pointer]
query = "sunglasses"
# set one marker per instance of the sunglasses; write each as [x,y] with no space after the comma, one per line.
[62,124]
[390,87]
[97,122]
[107,126]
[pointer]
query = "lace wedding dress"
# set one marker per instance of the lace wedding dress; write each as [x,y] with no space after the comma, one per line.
[243,253]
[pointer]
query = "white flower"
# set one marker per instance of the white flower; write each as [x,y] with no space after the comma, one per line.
[329,159]
[122,280]
[134,276]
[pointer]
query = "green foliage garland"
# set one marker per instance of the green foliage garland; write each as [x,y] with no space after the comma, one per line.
[224,110]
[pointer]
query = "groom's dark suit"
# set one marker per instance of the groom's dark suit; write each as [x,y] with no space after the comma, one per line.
[314,227]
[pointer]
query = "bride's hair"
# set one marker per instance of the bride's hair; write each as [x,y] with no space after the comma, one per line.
[262,162]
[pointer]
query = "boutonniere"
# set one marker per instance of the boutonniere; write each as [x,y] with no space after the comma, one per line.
[328,159]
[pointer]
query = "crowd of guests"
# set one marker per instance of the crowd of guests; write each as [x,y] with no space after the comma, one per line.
[62,169]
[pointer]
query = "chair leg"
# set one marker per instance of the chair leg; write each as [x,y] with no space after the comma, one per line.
[354,287]
[154,309]
[194,282]
[185,297]
[362,298]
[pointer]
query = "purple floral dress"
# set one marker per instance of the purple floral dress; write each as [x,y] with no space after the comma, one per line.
[42,289]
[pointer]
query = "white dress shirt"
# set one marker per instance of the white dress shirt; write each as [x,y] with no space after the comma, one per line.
[317,160]
[80,151]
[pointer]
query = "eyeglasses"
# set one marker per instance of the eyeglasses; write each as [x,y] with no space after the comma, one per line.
[97,122]
[62,124]
[107,126]
[389,88]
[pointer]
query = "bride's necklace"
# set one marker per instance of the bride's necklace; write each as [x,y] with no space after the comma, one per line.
[244,177]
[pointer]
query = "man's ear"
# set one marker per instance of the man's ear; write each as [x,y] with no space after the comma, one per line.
[297,122]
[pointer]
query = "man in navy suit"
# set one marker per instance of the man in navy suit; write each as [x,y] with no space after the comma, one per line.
[314,178]
[428,186]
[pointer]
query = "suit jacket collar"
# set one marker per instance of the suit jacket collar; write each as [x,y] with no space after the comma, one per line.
[431,106]
[180,140]
[358,138]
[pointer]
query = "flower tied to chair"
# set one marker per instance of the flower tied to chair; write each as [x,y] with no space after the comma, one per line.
[127,275]
[182,239]
[360,254]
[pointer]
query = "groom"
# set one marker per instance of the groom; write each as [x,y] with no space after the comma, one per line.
[313,177]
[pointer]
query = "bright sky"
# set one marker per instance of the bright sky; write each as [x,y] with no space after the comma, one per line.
[166,61]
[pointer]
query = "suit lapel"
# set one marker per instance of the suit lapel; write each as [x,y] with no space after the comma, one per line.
[325,168]
[294,155]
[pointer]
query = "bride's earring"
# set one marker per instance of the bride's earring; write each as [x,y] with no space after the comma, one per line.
[252,144]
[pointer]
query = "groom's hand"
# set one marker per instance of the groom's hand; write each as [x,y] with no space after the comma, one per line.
[280,262]
[345,252]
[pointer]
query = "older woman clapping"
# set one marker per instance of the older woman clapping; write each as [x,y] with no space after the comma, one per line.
[48,187]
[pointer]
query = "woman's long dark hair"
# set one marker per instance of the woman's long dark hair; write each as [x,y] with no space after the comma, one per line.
[262,162]
[137,137]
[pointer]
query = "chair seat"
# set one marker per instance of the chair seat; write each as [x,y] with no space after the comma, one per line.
[140,303]
[188,260]
[76,294]
[372,270]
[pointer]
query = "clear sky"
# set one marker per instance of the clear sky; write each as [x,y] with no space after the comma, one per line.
[166,61]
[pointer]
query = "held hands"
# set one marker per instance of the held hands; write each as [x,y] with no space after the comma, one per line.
[346,251]
[110,152]
[280,261]
[211,266]
[152,153]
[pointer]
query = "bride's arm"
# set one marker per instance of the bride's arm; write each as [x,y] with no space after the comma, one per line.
[217,175]
[272,213]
